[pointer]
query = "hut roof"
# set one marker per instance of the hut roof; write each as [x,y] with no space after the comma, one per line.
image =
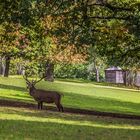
[114,68]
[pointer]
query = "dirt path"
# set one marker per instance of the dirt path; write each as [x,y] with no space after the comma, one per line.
[10,103]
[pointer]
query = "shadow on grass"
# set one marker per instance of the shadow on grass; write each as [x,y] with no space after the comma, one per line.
[69,109]
[91,82]
[99,83]
[98,103]
[82,104]
[69,117]
[12,87]
[74,80]
[54,130]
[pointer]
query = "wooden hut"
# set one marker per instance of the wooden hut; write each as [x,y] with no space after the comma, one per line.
[114,75]
[137,80]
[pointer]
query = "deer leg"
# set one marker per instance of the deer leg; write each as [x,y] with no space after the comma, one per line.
[62,109]
[38,105]
[41,105]
[58,106]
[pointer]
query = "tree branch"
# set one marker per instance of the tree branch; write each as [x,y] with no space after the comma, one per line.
[111,7]
[110,17]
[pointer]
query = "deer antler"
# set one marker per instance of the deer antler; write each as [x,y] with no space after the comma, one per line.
[39,80]
[25,77]
[33,81]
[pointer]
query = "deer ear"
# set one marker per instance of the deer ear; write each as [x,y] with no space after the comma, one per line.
[34,82]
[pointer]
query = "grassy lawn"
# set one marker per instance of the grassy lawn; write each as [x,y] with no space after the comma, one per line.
[78,95]
[31,124]
[27,124]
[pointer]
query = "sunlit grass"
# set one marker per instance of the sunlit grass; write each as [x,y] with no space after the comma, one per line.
[31,124]
[20,123]
[77,95]
[37,116]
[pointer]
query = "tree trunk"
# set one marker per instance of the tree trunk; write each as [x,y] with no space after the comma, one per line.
[49,73]
[7,65]
[96,71]
[1,71]
[3,66]
[131,77]
[125,77]
[19,69]
[97,75]
[137,79]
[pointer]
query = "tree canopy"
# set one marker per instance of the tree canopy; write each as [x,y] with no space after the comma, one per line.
[71,31]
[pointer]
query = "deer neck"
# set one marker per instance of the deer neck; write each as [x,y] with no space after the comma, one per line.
[32,91]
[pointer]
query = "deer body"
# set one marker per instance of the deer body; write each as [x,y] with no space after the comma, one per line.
[41,96]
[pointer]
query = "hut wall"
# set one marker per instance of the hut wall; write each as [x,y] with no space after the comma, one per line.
[110,76]
[119,77]
[137,82]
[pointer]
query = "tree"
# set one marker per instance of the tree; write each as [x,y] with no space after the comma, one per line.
[12,20]
[93,23]
[70,24]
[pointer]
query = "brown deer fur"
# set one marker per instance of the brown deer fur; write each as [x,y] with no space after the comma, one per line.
[41,96]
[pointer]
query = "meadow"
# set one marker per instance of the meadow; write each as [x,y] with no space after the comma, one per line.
[18,123]
[78,95]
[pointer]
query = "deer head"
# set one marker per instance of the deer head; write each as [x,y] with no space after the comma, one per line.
[31,84]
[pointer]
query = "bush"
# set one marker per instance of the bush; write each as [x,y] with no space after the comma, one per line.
[71,71]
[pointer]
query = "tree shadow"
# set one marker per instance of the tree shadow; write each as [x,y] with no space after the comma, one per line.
[60,130]
[74,80]
[12,87]
[95,112]
[101,103]
[106,120]
[82,104]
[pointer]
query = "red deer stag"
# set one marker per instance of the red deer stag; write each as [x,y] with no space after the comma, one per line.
[41,96]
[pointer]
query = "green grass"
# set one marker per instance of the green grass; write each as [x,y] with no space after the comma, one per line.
[27,124]
[78,95]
